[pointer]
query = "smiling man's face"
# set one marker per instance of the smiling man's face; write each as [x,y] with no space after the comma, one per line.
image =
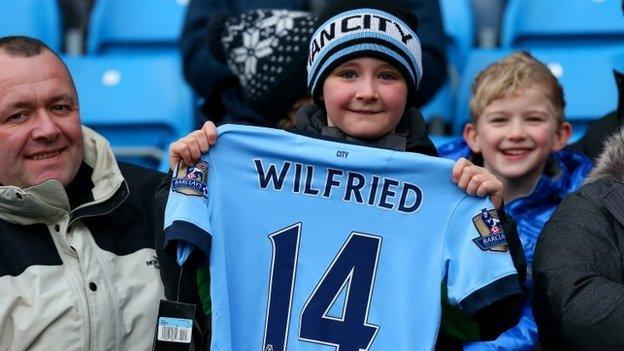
[40,131]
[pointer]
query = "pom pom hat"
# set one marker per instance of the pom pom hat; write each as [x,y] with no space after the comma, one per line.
[365,28]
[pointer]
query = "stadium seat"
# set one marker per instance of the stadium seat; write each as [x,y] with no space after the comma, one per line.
[439,110]
[582,72]
[459,27]
[139,103]
[439,140]
[34,18]
[541,23]
[586,75]
[477,61]
[457,18]
[135,26]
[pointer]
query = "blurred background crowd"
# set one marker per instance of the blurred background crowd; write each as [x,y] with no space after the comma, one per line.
[147,71]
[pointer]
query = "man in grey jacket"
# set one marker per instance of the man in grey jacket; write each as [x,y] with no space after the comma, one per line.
[78,269]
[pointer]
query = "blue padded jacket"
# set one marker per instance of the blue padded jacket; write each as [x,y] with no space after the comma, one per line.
[563,174]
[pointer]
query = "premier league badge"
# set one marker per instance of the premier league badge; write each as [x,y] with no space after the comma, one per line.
[191,180]
[491,233]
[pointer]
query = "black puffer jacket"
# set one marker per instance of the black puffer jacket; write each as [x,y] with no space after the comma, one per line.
[579,262]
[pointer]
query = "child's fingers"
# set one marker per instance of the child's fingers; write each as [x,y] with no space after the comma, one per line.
[176,150]
[466,175]
[458,168]
[193,146]
[487,187]
[202,140]
[475,182]
[210,131]
[492,188]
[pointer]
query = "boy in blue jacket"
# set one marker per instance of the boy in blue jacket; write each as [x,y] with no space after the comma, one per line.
[518,133]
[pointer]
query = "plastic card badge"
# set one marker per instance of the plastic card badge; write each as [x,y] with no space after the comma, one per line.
[174,327]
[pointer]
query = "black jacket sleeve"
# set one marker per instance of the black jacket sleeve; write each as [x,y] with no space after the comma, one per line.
[578,277]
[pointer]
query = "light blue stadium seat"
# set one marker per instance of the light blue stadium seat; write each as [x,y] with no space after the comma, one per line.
[458,21]
[439,140]
[138,102]
[39,19]
[459,27]
[135,25]
[540,23]
[584,73]
[440,107]
[477,61]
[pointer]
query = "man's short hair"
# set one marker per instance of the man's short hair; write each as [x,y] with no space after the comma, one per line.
[509,76]
[22,46]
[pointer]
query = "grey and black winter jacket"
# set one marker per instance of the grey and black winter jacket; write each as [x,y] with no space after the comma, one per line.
[78,269]
[578,269]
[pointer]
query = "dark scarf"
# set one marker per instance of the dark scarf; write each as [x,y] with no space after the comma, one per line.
[410,135]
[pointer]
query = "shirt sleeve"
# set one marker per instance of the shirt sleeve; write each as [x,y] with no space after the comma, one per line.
[188,211]
[480,270]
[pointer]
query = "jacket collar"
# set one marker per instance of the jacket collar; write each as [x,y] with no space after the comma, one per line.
[410,134]
[563,174]
[48,201]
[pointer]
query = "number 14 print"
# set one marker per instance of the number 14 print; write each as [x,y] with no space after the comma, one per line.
[353,269]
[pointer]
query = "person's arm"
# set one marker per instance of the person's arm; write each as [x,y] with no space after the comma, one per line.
[521,337]
[578,295]
[433,42]
[205,73]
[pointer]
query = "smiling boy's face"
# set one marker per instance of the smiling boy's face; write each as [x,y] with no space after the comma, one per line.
[516,134]
[365,97]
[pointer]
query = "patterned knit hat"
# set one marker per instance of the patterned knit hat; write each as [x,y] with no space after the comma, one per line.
[267,50]
[356,28]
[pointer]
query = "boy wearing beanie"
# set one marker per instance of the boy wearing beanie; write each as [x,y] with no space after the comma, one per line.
[363,72]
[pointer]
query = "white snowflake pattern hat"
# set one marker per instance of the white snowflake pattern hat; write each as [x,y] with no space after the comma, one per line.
[267,50]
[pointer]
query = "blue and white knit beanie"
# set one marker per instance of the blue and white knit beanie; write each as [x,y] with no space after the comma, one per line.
[372,28]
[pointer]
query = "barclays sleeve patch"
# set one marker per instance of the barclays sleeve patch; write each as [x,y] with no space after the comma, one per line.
[492,237]
[191,180]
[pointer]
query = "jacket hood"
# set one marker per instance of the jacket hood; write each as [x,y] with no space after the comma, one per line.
[611,160]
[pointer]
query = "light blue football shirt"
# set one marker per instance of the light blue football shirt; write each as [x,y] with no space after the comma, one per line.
[321,245]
